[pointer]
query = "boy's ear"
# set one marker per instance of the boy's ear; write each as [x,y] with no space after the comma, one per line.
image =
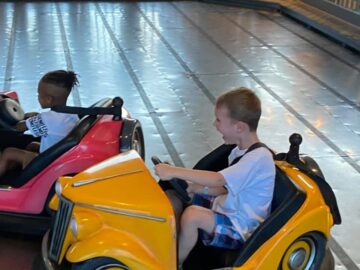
[241,126]
[50,99]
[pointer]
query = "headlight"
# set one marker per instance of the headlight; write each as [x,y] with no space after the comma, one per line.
[74,226]
[84,223]
[58,188]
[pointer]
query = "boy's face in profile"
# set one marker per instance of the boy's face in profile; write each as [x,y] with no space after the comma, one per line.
[226,126]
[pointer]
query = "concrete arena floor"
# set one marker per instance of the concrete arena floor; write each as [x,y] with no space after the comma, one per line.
[18,251]
[170,60]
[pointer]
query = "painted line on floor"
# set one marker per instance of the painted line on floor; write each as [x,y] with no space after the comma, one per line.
[152,112]
[326,140]
[11,51]
[303,70]
[342,256]
[75,92]
[311,42]
[188,70]
[332,145]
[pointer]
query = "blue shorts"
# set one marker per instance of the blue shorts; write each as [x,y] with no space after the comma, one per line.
[224,234]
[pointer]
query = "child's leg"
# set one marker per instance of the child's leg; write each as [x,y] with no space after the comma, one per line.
[193,218]
[11,156]
[177,204]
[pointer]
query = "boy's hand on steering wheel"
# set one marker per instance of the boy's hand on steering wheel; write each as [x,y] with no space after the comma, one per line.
[21,126]
[163,171]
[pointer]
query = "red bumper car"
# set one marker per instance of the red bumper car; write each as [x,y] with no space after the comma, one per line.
[104,130]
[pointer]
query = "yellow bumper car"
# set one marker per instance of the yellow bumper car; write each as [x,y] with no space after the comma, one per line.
[115,215]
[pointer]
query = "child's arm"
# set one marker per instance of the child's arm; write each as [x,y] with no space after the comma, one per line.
[21,126]
[204,178]
[196,188]
[33,147]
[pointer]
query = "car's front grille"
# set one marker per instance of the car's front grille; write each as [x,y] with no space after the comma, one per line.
[60,226]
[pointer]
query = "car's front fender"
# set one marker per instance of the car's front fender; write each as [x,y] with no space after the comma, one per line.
[120,245]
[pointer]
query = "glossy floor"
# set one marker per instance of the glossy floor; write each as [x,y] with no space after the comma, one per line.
[170,60]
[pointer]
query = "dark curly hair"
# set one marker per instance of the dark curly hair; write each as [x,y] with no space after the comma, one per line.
[63,78]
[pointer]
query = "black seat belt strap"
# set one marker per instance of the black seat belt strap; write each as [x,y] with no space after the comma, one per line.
[251,148]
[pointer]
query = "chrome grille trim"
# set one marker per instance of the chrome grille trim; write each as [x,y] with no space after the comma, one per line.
[59,228]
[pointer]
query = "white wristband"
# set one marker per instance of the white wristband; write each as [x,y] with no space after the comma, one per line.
[205,190]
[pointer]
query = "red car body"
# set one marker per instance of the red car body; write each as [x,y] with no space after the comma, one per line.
[104,136]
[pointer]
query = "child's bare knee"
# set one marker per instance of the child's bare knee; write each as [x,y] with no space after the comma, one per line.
[9,151]
[12,154]
[6,154]
[190,215]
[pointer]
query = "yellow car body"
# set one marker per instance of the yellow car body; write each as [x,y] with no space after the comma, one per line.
[313,216]
[120,213]
[117,210]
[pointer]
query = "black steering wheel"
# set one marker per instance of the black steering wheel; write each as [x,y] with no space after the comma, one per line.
[178,185]
[10,113]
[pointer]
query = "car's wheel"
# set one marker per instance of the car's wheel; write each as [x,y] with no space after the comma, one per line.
[132,137]
[305,253]
[138,141]
[100,263]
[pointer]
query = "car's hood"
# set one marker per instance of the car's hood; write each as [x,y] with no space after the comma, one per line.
[121,183]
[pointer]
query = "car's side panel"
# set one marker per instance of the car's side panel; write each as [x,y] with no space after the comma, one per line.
[137,219]
[120,245]
[313,216]
[101,142]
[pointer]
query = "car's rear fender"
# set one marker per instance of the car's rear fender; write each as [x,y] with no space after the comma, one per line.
[269,255]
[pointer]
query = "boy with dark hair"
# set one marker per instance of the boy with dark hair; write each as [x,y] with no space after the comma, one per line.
[53,89]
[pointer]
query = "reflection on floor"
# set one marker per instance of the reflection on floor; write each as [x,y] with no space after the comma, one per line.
[170,60]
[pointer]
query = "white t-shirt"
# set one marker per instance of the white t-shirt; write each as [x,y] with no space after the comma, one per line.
[250,184]
[51,127]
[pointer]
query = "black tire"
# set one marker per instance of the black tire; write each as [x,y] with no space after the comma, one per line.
[307,252]
[132,137]
[138,141]
[100,263]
